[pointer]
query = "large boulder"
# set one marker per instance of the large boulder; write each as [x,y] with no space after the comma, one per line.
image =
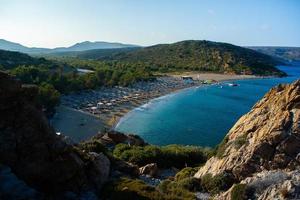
[266,138]
[33,151]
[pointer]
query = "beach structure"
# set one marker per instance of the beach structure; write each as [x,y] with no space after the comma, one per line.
[187,79]
[100,105]
[93,109]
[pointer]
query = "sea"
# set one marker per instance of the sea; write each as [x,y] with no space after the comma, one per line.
[199,115]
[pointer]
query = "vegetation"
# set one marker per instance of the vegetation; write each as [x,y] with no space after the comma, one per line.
[184,185]
[217,183]
[186,173]
[165,156]
[94,54]
[240,141]
[202,56]
[220,148]
[48,96]
[125,188]
[182,189]
[55,77]
[93,146]
[11,59]
[130,189]
[239,192]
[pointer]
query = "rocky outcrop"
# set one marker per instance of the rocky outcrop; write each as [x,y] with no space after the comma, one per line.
[265,185]
[112,138]
[149,169]
[34,153]
[266,138]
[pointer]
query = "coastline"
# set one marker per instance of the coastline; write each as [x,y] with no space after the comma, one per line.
[109,105]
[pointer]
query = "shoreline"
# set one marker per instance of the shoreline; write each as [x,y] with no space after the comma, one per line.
[109,105]
[240,77]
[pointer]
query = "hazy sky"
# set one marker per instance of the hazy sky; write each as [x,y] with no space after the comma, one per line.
[52,23]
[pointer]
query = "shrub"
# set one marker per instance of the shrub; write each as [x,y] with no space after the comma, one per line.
[132,189]
[181,156]
[238,192]
[136,154]
[166,156]
[220,148]
[191,184]
[93,146]
[217,183]
[240,141]
[185,173]
[182,189]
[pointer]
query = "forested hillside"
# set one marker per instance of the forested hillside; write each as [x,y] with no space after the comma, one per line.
[203,56]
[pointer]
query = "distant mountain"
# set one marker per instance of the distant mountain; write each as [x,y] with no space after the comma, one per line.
[285,53]
[6,45]
[204,56]
[11,46]
[83,46]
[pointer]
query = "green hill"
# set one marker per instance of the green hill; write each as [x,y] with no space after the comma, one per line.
[203,56]
[12,59]
[94,54]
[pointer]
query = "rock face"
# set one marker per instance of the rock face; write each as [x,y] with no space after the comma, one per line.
[262,150]
[35,154]
[266,138]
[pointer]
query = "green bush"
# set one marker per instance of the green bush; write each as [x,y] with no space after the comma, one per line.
[130,189]
[240,141]
[133,189]
[190,183]
[239,192]
[217,183]
[48,96]
[185,173]
[166,156]
[93,146]
[182,189]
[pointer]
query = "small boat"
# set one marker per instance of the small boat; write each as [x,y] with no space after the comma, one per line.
[232,84]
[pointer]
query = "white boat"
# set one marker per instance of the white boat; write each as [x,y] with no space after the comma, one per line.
[232,84]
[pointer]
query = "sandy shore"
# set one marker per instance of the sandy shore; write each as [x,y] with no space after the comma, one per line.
[110,104]
[213,76]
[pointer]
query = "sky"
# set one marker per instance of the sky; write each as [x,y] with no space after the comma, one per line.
[54,23]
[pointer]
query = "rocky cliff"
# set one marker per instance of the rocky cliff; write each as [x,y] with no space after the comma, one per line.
[264,141]
[33,151]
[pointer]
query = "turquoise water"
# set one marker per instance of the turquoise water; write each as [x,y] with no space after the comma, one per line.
[199,116]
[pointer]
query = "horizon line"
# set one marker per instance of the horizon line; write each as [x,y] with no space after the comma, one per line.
[138,45]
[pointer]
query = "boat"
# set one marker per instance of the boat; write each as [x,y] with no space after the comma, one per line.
[232,84]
